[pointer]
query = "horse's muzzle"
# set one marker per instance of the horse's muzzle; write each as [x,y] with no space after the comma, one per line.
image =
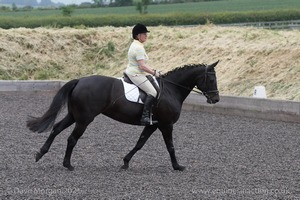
[212,101]
[212,97]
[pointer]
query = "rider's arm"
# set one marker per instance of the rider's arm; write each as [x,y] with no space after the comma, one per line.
[145,68]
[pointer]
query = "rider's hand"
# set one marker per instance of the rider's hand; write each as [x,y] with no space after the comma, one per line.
[157,73]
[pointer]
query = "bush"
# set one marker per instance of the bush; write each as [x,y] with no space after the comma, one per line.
[67,10]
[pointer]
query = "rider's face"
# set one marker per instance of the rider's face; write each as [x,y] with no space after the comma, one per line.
[142,37]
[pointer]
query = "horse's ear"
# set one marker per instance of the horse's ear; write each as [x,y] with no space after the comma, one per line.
[213,65]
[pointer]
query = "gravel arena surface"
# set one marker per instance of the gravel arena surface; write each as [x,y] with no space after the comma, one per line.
[227,157]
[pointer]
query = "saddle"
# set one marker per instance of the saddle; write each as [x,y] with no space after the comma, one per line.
[135,94]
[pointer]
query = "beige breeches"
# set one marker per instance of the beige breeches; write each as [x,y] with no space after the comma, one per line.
[143,83]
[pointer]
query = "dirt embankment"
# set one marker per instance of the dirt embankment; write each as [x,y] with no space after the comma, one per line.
[248,56]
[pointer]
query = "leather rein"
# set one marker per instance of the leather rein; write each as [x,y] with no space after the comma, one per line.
[206,93]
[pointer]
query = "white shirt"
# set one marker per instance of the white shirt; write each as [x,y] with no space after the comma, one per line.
[136,52]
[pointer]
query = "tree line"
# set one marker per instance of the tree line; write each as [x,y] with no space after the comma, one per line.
[32,3]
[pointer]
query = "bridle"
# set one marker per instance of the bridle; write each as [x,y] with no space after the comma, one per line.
[204,93]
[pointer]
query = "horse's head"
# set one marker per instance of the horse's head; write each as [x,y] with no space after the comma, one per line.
[210,87]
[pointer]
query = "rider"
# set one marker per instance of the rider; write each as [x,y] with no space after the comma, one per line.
[137,69]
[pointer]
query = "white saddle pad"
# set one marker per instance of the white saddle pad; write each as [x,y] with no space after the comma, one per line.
[132,92]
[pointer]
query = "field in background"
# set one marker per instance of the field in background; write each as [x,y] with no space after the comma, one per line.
[248,56]
[215,12]
[197,7]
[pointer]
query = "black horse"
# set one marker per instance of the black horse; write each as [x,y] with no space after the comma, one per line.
[89,96]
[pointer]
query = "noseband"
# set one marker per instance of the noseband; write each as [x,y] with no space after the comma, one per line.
[214,92]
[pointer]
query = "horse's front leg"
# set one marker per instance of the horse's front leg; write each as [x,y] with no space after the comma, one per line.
[167,132]
[147,132]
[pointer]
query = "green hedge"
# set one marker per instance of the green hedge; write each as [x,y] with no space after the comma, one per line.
[150,19]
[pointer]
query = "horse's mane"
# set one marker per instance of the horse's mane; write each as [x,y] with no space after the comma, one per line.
[182,68]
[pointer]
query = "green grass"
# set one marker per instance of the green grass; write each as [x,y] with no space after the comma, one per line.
[197,7]
[217,12]
[226,5]
[167,19]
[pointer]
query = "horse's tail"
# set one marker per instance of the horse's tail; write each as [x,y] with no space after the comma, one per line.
[45,122]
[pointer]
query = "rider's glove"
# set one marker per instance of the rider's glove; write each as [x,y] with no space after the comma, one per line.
[157,73]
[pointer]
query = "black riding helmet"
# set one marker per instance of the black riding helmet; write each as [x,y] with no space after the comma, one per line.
[137,29]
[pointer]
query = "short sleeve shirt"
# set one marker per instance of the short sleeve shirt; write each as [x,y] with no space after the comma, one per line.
[136,52]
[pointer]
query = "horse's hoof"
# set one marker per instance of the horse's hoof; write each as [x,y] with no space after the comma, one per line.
[69,167]
[179,168]
[38,156]
[125,166]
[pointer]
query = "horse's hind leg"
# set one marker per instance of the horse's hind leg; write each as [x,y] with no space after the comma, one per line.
[147,132]
[59,127]
[72,141]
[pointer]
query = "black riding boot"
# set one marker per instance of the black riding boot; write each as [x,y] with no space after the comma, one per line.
[145,120]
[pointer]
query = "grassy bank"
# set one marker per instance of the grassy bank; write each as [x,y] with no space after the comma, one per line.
[248,56]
